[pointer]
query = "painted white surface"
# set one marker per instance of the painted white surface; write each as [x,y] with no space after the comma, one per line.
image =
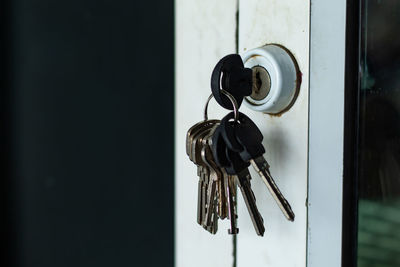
[284,22]
[205,31]
[327,61]
[282,72]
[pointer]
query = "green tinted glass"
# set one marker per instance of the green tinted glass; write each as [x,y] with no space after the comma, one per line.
[379,136]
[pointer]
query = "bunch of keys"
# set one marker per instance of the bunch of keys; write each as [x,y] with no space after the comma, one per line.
[216,188]
[223,150]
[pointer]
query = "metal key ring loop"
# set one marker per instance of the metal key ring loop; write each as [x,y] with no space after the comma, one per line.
[231,98]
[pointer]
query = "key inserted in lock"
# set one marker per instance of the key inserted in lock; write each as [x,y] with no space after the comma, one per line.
[261,83]
[275,79]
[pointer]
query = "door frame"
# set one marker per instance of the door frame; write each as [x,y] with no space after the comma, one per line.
[326,132]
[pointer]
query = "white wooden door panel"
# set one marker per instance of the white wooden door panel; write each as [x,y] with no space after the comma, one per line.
[205,32]
[284,22]
[304,144]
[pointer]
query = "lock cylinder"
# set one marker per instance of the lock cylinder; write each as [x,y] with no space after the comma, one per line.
[275,79]
[261,84]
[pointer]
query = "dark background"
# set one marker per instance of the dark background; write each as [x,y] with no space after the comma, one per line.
[87,132]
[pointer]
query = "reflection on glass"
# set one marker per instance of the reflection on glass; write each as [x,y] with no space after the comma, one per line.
[379,151]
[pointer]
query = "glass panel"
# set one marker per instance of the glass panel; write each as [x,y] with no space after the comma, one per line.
[379,151]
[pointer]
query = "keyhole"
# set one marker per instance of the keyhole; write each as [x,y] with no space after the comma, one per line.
[261,83]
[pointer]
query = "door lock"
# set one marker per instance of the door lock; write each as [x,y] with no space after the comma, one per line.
[276,79]
[266,78]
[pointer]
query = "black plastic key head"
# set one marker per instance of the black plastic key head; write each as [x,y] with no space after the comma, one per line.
[218,149]
[236,163]
[250,137]
[227,126]
[244,128]
[231,75]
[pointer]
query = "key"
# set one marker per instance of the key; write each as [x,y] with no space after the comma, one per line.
[218,150]
[209,160]
[231,201]
[197,144]
[203,178]
[201,195]
[204,199]
[203,173]
[222,200]
[234,165]
[239,168]
[210,201]
[231,75]
[215,179]
[250,137]
[193,130]
[196,147]
[214,225]
[202,170]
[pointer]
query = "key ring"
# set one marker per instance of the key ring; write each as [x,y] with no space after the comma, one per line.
[231,98]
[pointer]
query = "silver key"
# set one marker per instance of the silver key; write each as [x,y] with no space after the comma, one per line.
[215,221]
[202,170]
[245,187]
[208,158]
[262,168]
[200,195]
[214,176]
[230,188]
[213,228]
[236,166]
[211,196]
[193,131]
[207,189]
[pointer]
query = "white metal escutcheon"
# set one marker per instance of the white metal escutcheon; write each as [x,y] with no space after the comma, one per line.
[277,79]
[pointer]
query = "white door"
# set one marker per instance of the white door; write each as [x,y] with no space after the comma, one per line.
[304,144]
